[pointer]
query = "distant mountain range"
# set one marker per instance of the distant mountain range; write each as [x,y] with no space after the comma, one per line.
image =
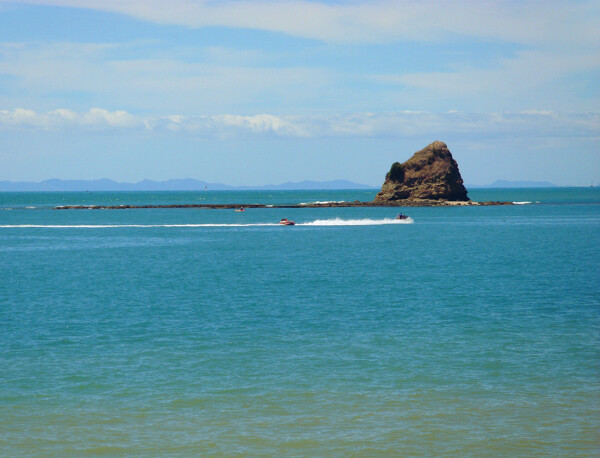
[187,184]
[190,184]
[514,184]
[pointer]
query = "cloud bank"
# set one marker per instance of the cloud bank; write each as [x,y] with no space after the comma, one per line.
[492,55]
[392,124]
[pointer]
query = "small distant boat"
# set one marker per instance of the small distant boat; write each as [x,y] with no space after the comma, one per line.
[401,216]
[286,222]
[241,209]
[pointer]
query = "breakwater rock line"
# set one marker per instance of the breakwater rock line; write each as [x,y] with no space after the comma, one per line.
[398,203]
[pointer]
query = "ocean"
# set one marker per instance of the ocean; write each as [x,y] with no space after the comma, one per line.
[468,331]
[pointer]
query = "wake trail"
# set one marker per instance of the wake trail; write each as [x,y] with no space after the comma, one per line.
[318,222]
[110,226]
[356,222]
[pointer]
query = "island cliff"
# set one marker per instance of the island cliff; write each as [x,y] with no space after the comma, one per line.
[430,175]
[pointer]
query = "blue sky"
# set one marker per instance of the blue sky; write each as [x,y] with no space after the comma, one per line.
[255,92]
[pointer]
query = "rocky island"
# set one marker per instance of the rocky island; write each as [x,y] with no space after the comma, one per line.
[430,178]
[431,174]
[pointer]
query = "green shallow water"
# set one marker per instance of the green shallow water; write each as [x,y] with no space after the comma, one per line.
[468,331]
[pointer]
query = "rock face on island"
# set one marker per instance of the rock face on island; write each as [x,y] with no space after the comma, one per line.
[431,174]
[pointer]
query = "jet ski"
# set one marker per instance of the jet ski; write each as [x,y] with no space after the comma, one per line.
[286,222]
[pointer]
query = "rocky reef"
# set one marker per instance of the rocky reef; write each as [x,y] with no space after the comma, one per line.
[431,175]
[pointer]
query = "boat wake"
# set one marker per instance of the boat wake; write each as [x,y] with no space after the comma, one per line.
[318,222]
[356,222]
[110,226]
[322,202]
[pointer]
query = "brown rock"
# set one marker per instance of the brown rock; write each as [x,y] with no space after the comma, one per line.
[431,174]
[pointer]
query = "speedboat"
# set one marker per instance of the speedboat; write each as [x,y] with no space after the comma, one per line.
[286,222]
[401,216]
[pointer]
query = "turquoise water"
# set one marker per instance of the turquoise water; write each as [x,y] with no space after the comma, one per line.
[464,331]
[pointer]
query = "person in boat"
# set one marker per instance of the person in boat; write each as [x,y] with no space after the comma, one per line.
[283,220]
[401,216]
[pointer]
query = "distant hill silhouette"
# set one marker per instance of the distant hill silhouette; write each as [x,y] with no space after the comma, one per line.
[187,184]
[514,184]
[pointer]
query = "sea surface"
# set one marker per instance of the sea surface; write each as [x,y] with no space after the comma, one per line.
[468,331]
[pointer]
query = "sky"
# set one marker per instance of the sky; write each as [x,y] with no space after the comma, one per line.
[270,91]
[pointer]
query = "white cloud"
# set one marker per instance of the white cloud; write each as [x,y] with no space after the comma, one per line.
[526,71]
[99,117]
[37,72]
[403,124]
[558,55]
[558,80]
[552,21]
[95,118]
